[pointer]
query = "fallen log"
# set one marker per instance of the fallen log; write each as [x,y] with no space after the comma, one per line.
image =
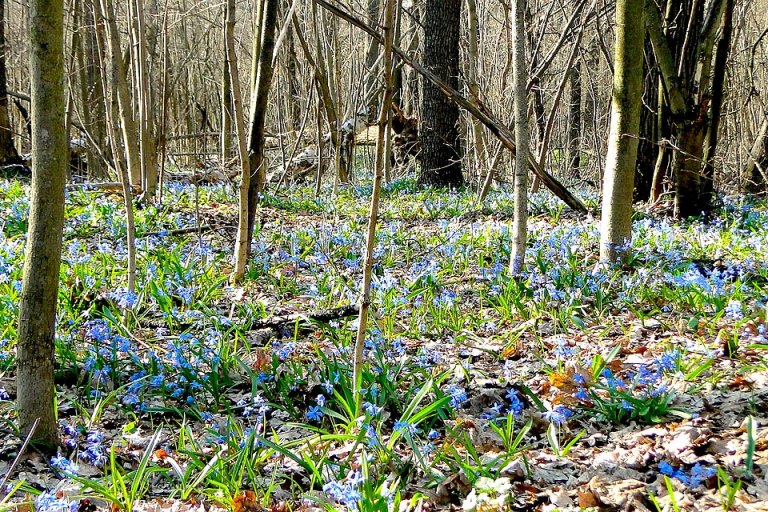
[479,111]
[278,323]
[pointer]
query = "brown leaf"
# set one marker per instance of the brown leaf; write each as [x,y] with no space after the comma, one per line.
[246,501]
[588,500]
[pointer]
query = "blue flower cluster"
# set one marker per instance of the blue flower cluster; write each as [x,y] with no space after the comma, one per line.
[698,474]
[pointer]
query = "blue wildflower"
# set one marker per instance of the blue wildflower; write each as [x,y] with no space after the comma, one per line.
[314,413]
[405,427]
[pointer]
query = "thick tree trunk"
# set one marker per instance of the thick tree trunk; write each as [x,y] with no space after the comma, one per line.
[520,82]
[8,154]
[616,222]
[259,100]
[37,308]
[440,146]
[684,60]
[686,166]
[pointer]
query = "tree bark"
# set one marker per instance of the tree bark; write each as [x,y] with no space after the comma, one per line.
[42,259]
[259,100]
[120,85]
[520,82]
[440,146]
[473,74]
[8,154]
[243,239]
[756,171]
[574,119]
[718,84]
[226,88]
[382,160]
[616,223]
[691,94]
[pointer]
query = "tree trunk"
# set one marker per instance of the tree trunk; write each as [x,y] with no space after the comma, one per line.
[42,259]
[718,84]
[473,73]
[294,99]
[756,171]
[120,85]
[243,239]
[92,94]
[684,60]
[520,83]
[8,154]
[226,88]
[371,58]
[648,145]
[441,147]
[616,223]
[145,120]
[259,99]
[382,160]
[574,119]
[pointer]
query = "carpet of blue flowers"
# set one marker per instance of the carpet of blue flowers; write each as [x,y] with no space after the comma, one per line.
[574,386]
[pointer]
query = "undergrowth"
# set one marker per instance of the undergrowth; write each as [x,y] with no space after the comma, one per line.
[467,368]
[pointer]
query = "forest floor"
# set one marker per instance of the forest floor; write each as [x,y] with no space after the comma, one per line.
[571,387]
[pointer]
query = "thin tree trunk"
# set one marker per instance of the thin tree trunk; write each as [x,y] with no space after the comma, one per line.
[294,97]
[226,89]
[371,58]
[42,258]
[718,84]
[756,171]
[382,159]
[473,73]
[8,154]
[259,100]
[616,222]
[520,82]
[574,120]
[119,83]
[243,239]
[147,146]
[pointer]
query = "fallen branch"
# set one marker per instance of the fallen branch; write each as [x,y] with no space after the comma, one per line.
[479,111]
[275,323]
[109,186]
[278,322]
